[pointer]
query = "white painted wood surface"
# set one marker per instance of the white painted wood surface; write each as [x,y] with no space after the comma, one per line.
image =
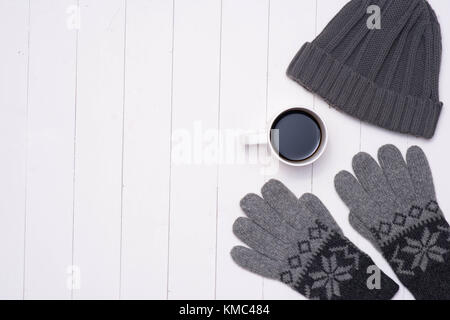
[146,177]
[97,237]
[120,173]
[50,151]
[242,107]
[13,142]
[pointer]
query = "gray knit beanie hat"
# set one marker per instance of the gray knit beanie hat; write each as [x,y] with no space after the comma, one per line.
[387,76]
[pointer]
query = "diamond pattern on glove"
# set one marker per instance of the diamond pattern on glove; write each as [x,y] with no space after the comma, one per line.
[315,233]
[295,262]
[304,247]
[384,228]
[415,212]
[399,219]
[286,277]
[432,206]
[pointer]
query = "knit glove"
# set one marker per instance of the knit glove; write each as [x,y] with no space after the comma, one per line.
[299,243]
[395,207]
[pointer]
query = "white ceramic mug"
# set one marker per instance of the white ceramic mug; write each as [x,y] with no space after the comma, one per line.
[265,137]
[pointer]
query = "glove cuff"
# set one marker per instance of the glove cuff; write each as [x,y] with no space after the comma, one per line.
[421,259]
[431,285]
[341,271]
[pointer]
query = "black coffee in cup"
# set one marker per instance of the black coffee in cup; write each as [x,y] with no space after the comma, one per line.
[295,135]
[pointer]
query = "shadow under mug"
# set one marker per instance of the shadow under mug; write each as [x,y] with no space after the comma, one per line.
[271,135]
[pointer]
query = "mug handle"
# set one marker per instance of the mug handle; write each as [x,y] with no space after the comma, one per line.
[254,138]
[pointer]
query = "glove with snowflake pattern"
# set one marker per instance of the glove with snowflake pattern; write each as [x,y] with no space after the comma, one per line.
[299,243]
[394,206]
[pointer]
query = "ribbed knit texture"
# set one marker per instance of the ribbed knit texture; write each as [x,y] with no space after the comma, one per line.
[389,76]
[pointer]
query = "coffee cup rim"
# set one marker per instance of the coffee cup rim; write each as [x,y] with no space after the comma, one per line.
[323,141]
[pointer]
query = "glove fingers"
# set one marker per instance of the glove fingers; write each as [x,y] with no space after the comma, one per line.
[372,179]
[259,239]
[284,202]
[350,191]
[396,172]
[420,173]
[255,262]
[315,206]
[263,215]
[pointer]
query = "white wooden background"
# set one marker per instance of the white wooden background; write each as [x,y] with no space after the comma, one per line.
[88,188]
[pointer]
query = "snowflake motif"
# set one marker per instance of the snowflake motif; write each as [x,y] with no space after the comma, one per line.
[446,230]
[425,249]
[330,276]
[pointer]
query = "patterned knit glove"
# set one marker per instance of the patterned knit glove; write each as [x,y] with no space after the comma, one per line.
[299,243]
[395,207]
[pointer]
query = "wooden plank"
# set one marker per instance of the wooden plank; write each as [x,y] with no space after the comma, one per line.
[194,175]
[13,122]
[51,122]
[98,166]
[146,149]
[242,108]
[287,34]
